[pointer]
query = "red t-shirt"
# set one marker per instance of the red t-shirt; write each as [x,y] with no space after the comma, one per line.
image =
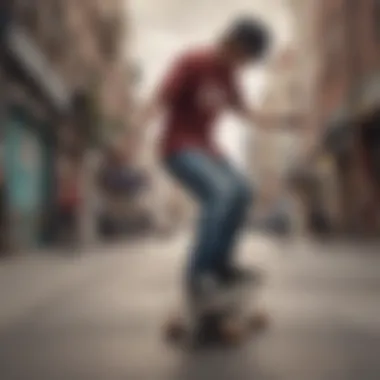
[195,91]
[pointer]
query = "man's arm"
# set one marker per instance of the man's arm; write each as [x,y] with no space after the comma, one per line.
[262,119]
[289,120]
[274,120]
[147,113]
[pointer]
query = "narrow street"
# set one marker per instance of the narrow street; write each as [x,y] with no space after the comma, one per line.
[99,316]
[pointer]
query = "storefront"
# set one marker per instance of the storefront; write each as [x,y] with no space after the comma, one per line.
[367,116]
[351,145]
[2,200]
[24,177]
[34,98]
[318,181]
[337,172]
[123,208]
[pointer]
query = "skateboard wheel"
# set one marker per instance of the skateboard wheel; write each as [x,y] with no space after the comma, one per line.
[258,321]
[175,330]
[231,331]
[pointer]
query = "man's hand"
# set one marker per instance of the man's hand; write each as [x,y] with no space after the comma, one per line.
[295,120]
[285,59]
[276,120]
[145,114]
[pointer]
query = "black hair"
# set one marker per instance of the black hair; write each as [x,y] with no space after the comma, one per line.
[250,35]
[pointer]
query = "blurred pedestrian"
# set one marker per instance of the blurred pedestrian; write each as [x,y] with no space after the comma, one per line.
[68,202]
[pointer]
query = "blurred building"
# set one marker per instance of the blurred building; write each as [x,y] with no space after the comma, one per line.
[347,97]
[338,75]
[62,81]
[305,90]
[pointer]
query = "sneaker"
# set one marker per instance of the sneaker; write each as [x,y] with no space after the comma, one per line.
[206,293]
[233,275]
[204,286]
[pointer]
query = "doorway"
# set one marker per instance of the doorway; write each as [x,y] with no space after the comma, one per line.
[23,179]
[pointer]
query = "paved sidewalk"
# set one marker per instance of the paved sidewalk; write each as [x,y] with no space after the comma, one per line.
[99,316]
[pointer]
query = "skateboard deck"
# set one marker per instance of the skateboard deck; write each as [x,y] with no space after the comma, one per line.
[225,318]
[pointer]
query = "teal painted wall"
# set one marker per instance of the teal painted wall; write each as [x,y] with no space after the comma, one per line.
[24,178]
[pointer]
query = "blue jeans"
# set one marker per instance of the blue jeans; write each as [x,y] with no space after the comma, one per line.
[224,196]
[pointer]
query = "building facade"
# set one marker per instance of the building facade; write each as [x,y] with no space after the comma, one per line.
[349,53]
[335,79]
[346,51]
[56,60]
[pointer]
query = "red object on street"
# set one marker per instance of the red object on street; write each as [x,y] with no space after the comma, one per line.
[68,184]
[69,193]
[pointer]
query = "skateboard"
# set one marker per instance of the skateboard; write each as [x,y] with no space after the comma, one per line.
[227,318]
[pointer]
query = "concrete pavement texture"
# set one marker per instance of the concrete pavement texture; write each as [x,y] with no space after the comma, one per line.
[100,315]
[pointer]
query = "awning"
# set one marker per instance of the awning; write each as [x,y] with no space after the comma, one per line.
[22,49]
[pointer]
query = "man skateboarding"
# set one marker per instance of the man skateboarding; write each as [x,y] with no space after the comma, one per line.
[197,89]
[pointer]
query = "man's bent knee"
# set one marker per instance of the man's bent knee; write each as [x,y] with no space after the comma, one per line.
[224,196]
[244,194]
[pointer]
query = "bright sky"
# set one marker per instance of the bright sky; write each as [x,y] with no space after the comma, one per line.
[165,27]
